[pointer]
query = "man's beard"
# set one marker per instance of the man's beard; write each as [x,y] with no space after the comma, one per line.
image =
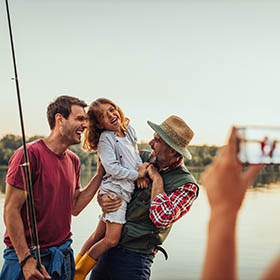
[153,158]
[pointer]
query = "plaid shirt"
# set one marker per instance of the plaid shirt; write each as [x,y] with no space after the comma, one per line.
[166,210]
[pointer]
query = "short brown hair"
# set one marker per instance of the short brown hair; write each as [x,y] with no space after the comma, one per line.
[62,105]
[92,132]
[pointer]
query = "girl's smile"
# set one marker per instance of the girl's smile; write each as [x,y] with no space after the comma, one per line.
[109,118]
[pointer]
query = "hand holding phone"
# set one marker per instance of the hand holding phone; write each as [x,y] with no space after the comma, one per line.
[259,144]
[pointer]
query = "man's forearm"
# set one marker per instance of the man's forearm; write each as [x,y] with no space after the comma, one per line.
[15,228]
[84,196]
[14,201]
[157,187]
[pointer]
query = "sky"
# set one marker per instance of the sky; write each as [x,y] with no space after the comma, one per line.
[213,63]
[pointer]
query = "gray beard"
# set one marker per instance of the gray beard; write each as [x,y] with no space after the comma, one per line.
[153,158]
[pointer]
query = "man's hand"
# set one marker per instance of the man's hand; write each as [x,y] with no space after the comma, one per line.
[142,170]
[153,172]
[109,202]
[31,272]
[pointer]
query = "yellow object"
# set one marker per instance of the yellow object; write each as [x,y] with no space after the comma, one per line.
[85,264]
[79,256]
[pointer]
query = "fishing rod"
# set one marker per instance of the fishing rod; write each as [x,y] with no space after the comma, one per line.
[26,166]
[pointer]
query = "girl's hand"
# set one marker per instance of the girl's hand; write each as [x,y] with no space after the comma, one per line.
[142,170]
[143,183]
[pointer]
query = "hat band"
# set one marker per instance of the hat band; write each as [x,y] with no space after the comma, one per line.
[180,141]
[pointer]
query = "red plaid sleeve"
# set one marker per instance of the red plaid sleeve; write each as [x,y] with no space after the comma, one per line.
[166,210]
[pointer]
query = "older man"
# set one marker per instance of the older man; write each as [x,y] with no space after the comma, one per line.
[55,174]
[152,211]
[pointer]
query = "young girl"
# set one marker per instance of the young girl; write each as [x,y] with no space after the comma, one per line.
[110,134]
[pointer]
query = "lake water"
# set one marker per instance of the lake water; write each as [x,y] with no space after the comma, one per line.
[258,236]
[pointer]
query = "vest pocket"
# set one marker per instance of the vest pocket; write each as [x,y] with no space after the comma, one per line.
[139,212]
[139,209]
[139,239]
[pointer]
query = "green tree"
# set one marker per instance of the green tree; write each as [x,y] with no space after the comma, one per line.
[11,141]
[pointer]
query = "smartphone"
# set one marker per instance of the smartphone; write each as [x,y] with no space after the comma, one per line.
[259,144]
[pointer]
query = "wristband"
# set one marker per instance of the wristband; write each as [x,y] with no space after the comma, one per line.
[22,263]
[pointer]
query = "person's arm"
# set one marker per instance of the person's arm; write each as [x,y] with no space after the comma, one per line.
[83,197]
[14,200]
[225,183]
[273,273]
[220,261]
[157,182]
[167,209]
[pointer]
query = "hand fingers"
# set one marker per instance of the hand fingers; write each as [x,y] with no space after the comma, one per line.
[45,273]
[250,173]
[112,209]
[150,168]
[233,143]
[211,168]
[139,184]
[232,136]
[112,196]
[111,206]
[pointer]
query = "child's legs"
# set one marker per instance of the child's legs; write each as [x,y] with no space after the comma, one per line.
[111,239]
[96,236]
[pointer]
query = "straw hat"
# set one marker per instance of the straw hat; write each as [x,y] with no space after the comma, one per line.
[176,133]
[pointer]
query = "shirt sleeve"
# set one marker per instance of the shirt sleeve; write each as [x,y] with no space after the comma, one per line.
[110,162]
[165,210]
[14,175]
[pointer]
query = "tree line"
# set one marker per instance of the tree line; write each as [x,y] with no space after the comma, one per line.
[202,155]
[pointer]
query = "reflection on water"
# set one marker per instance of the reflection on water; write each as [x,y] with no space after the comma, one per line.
[258,236]
[269,175]
[258,232]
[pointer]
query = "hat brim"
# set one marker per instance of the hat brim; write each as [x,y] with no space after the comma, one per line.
[183,151]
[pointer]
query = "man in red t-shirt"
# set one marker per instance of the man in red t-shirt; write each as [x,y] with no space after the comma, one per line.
[55,173]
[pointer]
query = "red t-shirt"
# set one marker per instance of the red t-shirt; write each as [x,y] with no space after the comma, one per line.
[54,179]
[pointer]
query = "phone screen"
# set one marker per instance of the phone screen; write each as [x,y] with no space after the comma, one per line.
[259,144]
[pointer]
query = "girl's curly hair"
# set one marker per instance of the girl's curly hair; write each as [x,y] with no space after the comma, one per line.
[92,133]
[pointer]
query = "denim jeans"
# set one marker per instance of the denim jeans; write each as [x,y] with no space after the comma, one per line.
[122,264]
[58,261]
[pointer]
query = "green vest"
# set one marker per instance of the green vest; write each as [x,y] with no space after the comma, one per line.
[139,233]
